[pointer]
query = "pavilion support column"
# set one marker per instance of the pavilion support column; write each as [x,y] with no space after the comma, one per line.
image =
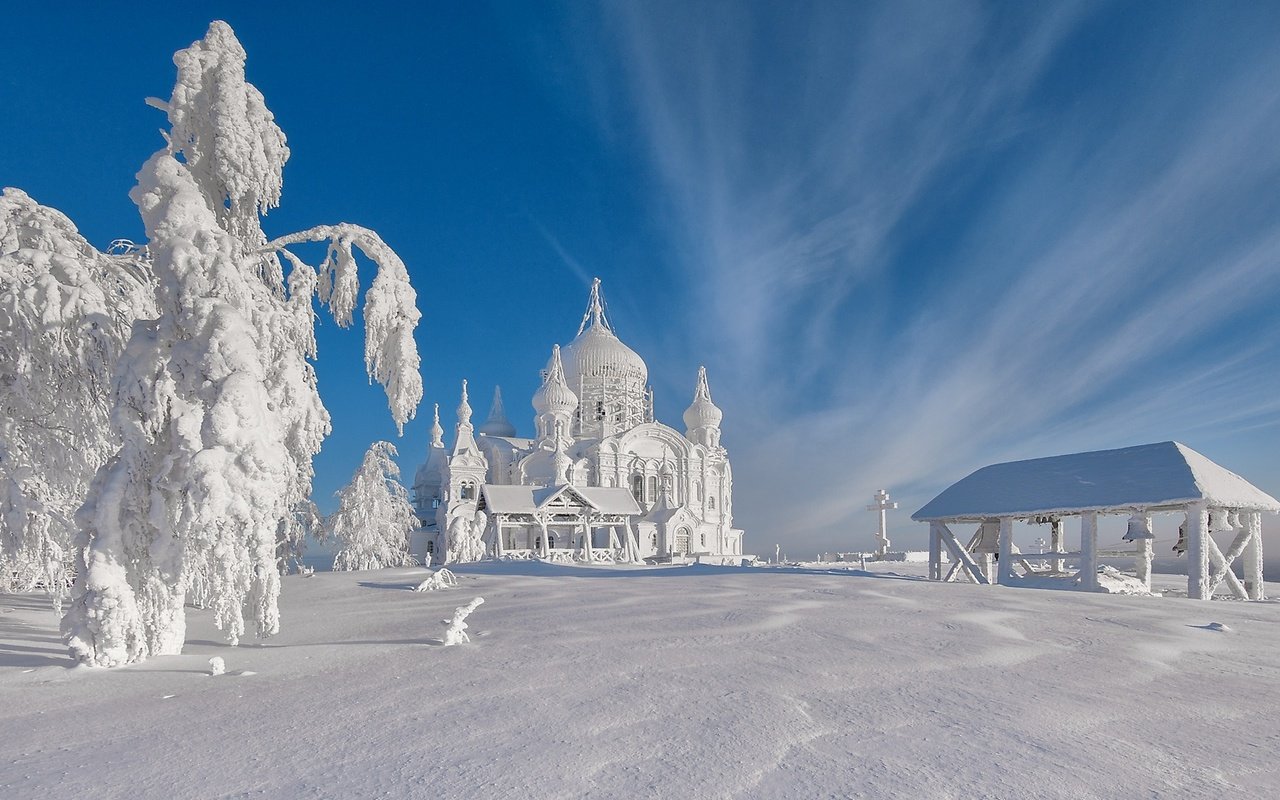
[1145,556]
[935,551]
[1005,567]
[1197,528]
[545,547]
[1089,551]
[1253,555]
[1055,544]
[633,539]
[586,540]
[498,543]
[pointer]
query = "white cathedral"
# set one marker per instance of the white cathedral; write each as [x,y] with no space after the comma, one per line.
[601,480]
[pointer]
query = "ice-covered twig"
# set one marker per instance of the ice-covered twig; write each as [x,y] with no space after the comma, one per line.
[440,579]
[456,632]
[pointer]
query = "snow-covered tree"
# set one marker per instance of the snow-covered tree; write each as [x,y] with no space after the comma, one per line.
[374,516]
[215,402]
[66,310]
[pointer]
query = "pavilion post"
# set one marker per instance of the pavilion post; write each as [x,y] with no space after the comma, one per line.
[498,543]
[1089,551]
[1055,544]
[1253,556]
[935,551]
[586,539]
[1197,528]
[1145,556]
[1005,567]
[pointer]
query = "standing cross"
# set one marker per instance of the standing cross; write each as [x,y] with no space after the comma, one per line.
[882,505]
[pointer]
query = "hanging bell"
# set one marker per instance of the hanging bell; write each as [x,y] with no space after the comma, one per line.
[1220,521]
[1139,528]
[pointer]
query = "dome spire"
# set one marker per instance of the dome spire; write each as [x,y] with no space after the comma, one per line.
[464,407]
[497,424]
[554,400]
[437,432]
[702,417]
[594,316]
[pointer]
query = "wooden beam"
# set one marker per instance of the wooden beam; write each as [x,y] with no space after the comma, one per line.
[1221,571]
[1005,574]
[1089,551]
[935,552]
[961,556]
[1197,530]
[1253,555]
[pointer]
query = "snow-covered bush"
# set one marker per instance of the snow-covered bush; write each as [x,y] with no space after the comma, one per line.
[217,666]
[455,631]
[66,310]
[374,516]
[440,579]
[215,403]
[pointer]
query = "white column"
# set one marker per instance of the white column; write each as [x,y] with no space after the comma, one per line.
[586,539]
[1197,527]
[499,543]
[1145,556]
[1089,551]
[1055,543]
[935,551]
[1005,567]
[1253,555]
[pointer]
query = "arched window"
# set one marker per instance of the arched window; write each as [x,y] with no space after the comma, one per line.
[711,503]
[653,541]
[697,491]
[637,487]
[653,487]
[537,545]
[704,540]
[467,491]
[431,548]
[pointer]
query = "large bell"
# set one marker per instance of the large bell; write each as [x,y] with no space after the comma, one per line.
[1223,521]
[1139,528]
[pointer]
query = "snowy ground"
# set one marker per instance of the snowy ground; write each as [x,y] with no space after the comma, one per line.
[678,682]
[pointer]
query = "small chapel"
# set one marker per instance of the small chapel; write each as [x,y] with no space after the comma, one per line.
[600,480]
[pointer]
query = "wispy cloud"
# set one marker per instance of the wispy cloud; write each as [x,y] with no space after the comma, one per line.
[932,246]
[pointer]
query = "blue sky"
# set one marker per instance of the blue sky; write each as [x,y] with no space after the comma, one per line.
[906,240]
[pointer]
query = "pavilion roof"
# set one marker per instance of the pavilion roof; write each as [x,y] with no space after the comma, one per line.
[531,499]
[1166,474]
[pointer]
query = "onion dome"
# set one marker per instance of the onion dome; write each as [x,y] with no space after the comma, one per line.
[464,407]
[437,432]
[554,396]
[702,413]
[598,353]
[497,424]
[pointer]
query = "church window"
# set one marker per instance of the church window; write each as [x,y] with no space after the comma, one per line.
[711,503]
[653,541]
[537,545]
[653,487]
[431,547]
[704,540]
[600,409]
[467,491]
[697,491]
[637,487]
[435,502]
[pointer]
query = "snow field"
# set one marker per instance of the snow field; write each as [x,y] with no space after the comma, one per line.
[678,682]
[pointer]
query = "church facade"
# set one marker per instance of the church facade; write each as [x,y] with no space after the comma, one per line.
[600,480]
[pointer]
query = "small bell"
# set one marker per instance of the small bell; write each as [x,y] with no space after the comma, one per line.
[1139,528]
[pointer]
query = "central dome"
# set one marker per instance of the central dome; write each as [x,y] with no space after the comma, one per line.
[598,354]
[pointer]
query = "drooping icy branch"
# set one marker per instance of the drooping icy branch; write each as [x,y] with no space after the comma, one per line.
[390,312]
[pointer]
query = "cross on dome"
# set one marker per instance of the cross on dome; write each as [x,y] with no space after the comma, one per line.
[594,316]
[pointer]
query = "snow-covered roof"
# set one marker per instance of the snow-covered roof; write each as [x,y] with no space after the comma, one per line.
[1147,476]
[529,499]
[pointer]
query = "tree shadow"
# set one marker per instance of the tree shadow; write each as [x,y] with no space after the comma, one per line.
[24,645]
